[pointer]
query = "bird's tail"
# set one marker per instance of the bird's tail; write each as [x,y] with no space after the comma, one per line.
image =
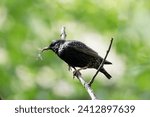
[105,73]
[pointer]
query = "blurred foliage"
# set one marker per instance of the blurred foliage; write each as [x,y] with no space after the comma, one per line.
[27,25]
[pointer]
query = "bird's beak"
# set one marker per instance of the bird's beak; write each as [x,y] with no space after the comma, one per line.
[46,48]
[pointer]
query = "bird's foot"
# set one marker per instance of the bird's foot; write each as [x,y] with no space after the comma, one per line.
[69,68]
[76,73]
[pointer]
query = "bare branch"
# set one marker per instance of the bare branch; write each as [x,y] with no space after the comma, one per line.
[101,65]
[63,33]
[85,84]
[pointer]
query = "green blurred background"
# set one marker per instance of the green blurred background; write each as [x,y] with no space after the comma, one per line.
[26,26]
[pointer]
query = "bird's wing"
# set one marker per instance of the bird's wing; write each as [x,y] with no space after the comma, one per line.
[81,47]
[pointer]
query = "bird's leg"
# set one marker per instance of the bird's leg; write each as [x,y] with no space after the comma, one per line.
[69,68]
[76,72]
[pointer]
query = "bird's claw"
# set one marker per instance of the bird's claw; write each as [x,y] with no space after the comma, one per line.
[76,73]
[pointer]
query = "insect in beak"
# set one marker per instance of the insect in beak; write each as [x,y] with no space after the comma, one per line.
[46,48]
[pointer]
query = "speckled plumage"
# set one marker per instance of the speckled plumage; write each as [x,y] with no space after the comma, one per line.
[77,54]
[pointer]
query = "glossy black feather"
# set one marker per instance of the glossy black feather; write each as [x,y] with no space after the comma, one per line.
[77,54]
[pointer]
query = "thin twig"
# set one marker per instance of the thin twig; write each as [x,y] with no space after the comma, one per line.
[101,65]
[63,33]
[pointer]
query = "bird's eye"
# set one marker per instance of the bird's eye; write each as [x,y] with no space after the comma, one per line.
[54,43]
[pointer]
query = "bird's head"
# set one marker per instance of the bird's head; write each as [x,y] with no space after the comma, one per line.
[54,46]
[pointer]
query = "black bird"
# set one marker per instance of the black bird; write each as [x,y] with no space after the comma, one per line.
[77,54]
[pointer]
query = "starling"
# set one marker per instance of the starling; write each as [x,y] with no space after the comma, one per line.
[77,54]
